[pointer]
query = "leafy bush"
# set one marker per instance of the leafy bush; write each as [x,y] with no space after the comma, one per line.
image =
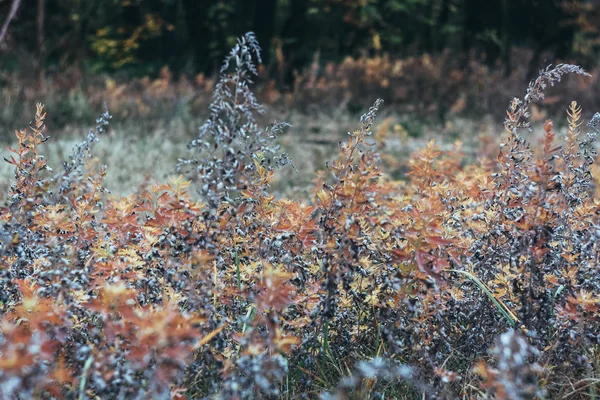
[465,280]
[427,90]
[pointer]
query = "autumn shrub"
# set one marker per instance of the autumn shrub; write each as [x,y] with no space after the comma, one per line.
[462,280]
[427,89]
[430,87]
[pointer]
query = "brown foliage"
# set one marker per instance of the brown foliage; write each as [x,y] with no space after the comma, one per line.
[155,295]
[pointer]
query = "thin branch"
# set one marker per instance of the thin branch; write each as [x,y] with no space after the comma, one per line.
[11,14]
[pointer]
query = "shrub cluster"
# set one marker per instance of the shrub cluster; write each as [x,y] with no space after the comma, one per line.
[463,280]
[429,88]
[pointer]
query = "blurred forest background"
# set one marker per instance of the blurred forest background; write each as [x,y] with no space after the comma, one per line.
[155,62]
[191,36]
[424,53]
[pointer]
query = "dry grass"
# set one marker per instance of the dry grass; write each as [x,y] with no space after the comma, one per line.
[135,157]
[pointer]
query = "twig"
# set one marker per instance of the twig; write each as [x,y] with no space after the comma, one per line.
[11,14]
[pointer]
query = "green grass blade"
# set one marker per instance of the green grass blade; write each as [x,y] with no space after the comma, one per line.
[481,286]
[237,271]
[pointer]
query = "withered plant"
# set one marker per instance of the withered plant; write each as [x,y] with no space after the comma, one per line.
[463,280]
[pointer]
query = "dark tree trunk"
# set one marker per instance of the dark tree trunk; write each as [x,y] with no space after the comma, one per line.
[554,35]
[293,36]
[197,33]
[442,20]
[481,17]
[244,18]
[181,54]
[470,25]
[41,49]
[506,38]
[428,33]
[264,25]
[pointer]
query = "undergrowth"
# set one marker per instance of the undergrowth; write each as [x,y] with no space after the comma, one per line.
[464,280]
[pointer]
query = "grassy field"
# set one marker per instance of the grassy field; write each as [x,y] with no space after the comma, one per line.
[136,157]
